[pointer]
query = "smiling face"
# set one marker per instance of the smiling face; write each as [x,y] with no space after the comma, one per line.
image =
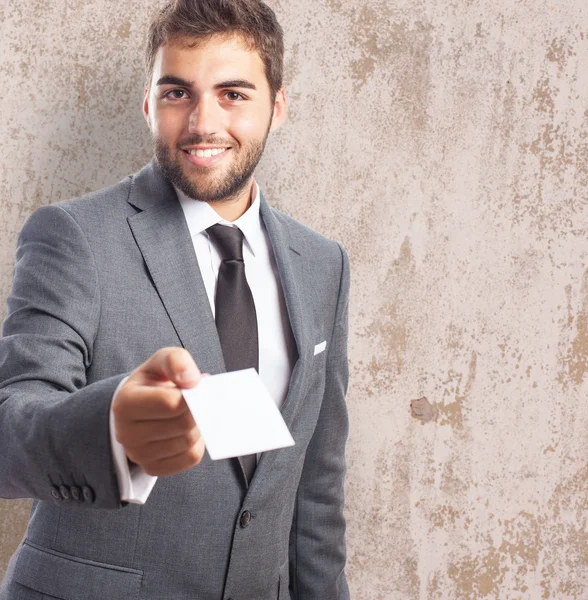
[210,110]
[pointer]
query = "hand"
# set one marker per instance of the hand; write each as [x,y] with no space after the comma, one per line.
[151,418]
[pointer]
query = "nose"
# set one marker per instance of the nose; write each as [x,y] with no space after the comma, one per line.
[205,118]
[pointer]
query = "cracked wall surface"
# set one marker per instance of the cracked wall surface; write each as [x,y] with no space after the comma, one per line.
[445,144]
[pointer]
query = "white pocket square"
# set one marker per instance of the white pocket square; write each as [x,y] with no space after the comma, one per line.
[320,347]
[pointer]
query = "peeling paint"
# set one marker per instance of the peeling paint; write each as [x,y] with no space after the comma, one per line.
[423,410]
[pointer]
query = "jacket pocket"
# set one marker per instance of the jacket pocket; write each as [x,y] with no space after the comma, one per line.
[71,578]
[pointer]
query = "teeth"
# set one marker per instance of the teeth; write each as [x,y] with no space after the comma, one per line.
[206,153]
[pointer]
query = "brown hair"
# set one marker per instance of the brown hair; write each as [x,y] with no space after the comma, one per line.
[197,20]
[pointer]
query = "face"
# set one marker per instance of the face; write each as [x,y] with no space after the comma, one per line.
[210,111]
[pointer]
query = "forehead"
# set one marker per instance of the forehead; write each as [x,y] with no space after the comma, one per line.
[212,59]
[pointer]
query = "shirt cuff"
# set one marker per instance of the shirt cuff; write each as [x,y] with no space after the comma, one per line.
[133,483]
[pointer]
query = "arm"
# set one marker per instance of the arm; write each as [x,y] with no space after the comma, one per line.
[317,540]
[54,429]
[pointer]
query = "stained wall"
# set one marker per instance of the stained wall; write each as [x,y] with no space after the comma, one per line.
[445,144]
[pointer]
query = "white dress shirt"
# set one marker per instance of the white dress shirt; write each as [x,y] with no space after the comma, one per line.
[277,349]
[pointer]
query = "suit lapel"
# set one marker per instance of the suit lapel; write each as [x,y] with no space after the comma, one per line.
[161,233]
[290,263]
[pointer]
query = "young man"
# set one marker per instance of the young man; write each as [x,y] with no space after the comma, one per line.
[124,297]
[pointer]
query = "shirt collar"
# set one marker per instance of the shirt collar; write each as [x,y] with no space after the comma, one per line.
[200,215]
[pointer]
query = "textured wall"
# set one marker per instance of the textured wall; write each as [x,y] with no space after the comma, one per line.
[446,145]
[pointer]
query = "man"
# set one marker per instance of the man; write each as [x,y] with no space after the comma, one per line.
[124,297]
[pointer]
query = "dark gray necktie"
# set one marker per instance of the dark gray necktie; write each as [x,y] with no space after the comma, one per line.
[235,317]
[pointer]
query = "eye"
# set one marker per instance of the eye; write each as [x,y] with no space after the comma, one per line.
[234,96]
[174,94]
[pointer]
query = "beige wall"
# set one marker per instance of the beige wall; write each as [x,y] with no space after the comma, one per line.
[446,145]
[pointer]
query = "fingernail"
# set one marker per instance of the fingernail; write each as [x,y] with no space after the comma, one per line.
[188,375]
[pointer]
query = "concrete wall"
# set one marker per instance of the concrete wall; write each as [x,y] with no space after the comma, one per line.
[446,145]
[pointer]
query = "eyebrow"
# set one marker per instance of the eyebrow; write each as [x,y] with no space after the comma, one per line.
[238,83]
[173,80]
[233,83]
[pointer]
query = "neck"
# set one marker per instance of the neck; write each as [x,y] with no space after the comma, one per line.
[232,208]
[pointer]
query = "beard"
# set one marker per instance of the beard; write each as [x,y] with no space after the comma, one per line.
[202,184]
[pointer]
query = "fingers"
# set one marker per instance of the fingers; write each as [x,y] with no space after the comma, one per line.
[171,465]
[174,365]
[146,432]
[135,402]
[162,446]
[160,450]
[151,418]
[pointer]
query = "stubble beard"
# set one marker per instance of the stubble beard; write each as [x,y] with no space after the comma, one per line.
[207,187]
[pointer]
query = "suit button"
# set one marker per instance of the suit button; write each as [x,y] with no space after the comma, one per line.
[245,519]
[76,493]
[55,492]
[64,491]
[88,494]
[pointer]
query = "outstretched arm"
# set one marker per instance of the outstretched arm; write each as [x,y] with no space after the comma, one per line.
[53,427]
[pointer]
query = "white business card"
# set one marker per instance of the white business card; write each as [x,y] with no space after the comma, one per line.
[236,415]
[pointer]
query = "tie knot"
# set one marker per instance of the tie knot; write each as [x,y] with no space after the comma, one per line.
[227,240]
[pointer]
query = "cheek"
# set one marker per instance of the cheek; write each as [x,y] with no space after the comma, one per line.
[167,124]
[248,126]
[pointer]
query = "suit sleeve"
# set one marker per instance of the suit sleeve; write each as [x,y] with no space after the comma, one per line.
[317,540]
[54,428]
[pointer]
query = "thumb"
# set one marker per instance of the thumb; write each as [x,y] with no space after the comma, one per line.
[175,365]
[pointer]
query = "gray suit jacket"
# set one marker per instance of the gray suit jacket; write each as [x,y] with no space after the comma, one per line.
[100,284]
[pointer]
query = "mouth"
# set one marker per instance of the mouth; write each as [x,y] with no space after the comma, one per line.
[205,157]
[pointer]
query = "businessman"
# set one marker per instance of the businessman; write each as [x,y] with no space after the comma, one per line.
[126,296]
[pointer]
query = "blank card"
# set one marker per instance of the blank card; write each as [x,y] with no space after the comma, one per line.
[236,415]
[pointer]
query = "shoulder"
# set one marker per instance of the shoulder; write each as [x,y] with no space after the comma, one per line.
[105,201]
[310,241]
[92,210]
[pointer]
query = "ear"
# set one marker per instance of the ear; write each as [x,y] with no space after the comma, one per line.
[279,109]
[146,106]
